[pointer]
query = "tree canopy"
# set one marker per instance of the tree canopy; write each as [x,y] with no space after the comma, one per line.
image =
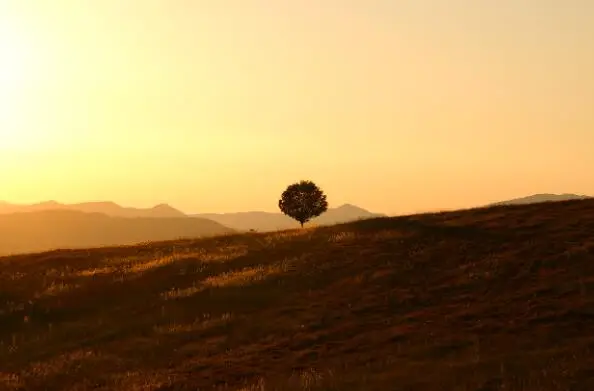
[303,201]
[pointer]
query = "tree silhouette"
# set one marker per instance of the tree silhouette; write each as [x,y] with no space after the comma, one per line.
[303,201]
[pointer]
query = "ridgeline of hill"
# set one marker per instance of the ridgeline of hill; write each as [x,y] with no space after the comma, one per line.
[484,299]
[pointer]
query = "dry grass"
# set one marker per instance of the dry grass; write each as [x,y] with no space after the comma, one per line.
[485,299]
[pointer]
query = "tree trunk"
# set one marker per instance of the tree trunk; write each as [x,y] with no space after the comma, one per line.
[301,222]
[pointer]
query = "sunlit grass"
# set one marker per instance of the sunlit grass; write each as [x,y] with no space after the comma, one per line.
[201,323]
[275,238]
[61,364]
[343,236]
[242,277]
[306,380]
[10,381]
[138,381]
[57,288]
[136,266]
[97,271]
[236,278]
[145,266]
[179,293]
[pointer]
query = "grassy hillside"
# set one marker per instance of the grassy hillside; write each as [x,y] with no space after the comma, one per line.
[485,299]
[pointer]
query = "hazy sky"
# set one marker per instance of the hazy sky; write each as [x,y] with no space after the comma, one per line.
[217,105]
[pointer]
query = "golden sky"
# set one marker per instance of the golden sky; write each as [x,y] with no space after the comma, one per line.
[217,105]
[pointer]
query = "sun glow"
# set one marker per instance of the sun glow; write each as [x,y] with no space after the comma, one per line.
[17,64]
[15,57]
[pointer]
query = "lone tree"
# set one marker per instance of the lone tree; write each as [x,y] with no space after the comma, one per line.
[303,201]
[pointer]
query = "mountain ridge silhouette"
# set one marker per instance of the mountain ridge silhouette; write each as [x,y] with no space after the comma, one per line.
[109,208]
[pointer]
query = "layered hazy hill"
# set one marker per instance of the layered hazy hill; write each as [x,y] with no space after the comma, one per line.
[52,229]
[538,198]
[51,225]
[260,221]
[266,221]
[108,208]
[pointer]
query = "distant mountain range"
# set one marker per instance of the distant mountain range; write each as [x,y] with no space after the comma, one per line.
[261,221]
[107,208]
[53,229]
[537,198]
[267,221]
[52,225]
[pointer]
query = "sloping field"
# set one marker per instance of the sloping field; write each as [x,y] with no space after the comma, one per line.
[486,299]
